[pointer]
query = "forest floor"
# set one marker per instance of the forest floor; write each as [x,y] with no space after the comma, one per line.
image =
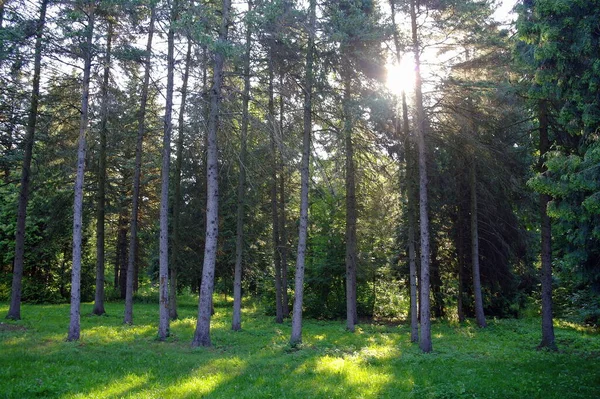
[113,360]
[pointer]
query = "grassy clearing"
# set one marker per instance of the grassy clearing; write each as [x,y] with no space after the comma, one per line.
[117,361]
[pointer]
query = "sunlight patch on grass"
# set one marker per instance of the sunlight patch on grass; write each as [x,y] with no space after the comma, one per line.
[574,326]
[111,334]
[206,379]
[116,389]
[354,373]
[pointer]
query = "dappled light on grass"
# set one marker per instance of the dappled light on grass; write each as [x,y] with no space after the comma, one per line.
[204,380]
[115,389]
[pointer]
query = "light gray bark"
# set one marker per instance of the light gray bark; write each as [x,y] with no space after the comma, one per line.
[480,316]
[128,316]
[296,336]
[202,333]
[163,258]
[425,336]
[351,212]
[74,324]
[176,233]
[14,312]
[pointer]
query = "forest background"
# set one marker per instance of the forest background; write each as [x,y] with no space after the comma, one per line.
[471,179]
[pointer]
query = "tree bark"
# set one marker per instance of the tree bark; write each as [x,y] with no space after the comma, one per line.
[548,340]
[163,259]
[74,324]
[101,195]
[411,211]
[274,206]
[202,333]
[128,316]
[351,212]
[479,315]
[236,323]
[177,195]
[425,338]
[14,312]
[282,213]
[296,336]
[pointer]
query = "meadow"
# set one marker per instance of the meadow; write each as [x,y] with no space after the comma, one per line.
[113,360]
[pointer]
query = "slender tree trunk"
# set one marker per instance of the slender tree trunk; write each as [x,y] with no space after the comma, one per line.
[236,323]
[282,213]
[548,340]
[177,196]
[460,254]
[351,212]
[121,251]
[296,336]
[74,325]
[479,315]
[128,317]
[163,259]
[425,339]
[274,206]
[411,211]
[410,193]
[202,333]
[101,196]
[14,311]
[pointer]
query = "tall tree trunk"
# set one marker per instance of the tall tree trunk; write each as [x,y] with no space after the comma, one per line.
[274,207]
[101,195]
[282,213]
[163,259]
[425,339]
[14,312]
[296,336]
[121,251]
[350,209]
[548,340]
[460,254]
[479,315]
[128,316]
[411,211]
[74,325]
[202,333]
[177,196]
[410,194]
[236,323]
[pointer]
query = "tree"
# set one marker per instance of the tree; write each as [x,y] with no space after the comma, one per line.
[88,9]
[101,195]
[236,323]
[296,336]
[128,316]
[202,333]
[420,126]
[14,311]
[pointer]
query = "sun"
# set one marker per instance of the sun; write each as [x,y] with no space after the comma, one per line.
[401,77]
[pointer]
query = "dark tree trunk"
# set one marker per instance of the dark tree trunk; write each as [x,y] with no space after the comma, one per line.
[274,207]
[236,323]
[479,315]
[351,212]
[101,195]
[282,214]
[548,340]
[176,233]
[425,341]
[14,311]
[121,249]
[202,333]
[296,336]
[74,325]
[129,286]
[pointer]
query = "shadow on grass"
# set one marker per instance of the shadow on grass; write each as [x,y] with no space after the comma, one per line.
[114,361]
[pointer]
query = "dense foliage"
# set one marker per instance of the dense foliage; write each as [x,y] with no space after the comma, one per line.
[482,84]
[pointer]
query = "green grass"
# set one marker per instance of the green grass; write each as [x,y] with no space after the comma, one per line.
[378,361]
